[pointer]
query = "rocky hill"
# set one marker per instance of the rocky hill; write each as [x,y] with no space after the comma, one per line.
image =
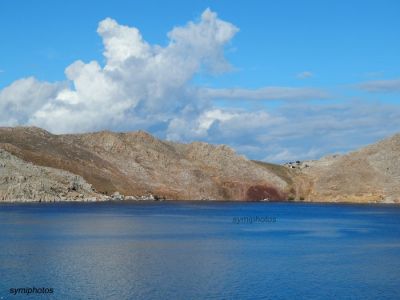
[43,166]
[138,164]
[371,174]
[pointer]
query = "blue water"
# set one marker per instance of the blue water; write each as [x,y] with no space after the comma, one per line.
[196,250]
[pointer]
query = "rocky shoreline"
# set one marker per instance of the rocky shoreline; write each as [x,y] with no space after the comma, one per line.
[146,199]
[117,197]
[91,199]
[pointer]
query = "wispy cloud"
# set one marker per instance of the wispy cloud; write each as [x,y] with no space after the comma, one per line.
[302,131]
[304,75]
[384,86]
[266,93]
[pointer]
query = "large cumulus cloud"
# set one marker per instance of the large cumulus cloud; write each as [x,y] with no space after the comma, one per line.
[139,86]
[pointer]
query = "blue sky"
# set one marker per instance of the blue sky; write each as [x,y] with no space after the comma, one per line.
[339,59]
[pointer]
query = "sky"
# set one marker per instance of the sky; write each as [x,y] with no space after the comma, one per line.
[275,80]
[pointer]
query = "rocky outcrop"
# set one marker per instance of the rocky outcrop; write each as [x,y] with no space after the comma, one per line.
[23,181]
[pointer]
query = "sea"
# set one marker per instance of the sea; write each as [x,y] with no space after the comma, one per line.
[199,250]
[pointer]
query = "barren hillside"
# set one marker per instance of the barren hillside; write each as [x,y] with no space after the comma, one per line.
[136,163]
[371,174]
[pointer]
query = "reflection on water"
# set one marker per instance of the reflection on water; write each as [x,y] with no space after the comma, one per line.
[186,250]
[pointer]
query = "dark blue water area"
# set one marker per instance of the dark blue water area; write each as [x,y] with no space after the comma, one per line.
[200,250]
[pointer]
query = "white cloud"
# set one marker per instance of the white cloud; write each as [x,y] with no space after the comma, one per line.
[140,85]
[305,75]
[209,117]
[121,43]
[381,86]
[187,128]
[221,126]
[24,96]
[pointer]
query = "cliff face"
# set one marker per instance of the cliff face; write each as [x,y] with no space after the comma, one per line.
[136,163]
[43,166]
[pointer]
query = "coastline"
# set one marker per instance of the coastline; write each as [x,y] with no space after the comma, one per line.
[144,200]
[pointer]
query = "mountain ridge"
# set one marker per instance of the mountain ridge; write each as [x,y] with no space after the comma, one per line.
[137,164]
